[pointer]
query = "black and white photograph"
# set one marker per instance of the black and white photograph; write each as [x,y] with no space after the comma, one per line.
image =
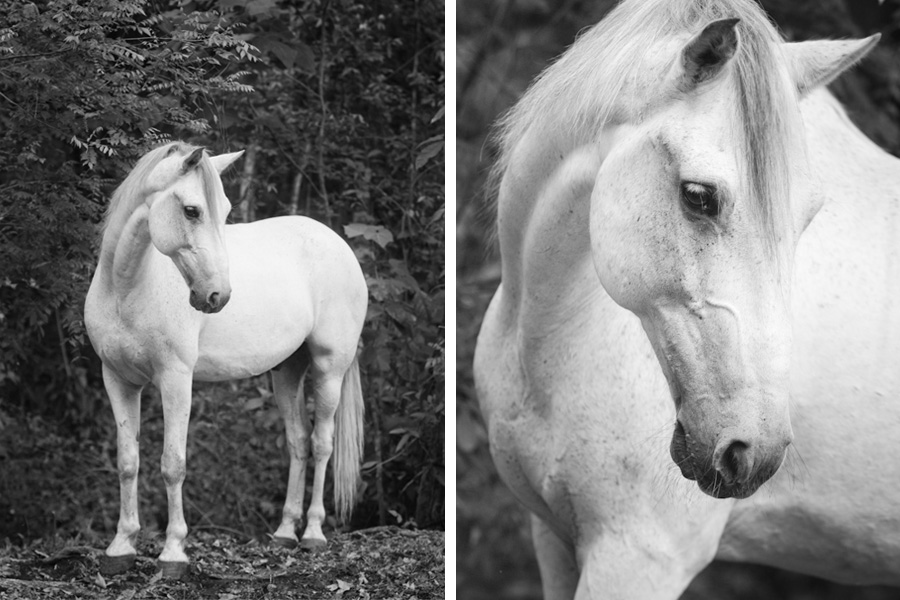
[222,299]
[678,263]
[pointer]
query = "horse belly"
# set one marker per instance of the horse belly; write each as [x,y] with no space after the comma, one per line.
[269,316]
[248,345]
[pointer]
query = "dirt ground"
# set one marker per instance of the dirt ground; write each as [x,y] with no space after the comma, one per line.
[383,563]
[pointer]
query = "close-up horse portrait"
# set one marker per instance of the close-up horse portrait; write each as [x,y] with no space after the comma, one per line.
[684,337]
[222,299]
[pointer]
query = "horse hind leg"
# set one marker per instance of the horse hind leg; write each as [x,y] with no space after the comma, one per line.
[125,399]
[337,393]
[287,381]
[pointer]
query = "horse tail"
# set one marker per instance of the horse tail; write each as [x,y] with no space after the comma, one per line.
[348,442]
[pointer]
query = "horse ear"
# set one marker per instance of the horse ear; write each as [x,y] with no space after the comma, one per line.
[819,62]
[223,161]
[192,160]
[710,50]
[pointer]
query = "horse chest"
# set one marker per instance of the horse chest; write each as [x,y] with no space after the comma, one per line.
[134,343]
[566,408]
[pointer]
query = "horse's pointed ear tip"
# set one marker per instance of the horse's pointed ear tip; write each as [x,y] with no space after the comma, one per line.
[193,159]
[722,25]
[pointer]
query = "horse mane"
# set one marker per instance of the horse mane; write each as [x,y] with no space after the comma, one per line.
[130,194]
[601,78]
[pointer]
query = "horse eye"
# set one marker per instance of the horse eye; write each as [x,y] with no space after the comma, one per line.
[192,212]
[700,199]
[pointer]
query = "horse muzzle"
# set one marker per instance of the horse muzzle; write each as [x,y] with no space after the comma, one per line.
[210,303]
[732,468]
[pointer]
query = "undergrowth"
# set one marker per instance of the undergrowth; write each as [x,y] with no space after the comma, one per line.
[54,485]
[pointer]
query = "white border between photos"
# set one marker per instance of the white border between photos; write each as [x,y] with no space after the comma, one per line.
[450,298]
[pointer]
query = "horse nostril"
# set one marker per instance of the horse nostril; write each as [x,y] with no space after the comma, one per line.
[734,464]
[214,300]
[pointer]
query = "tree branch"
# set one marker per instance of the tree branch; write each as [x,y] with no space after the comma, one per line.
[320,152]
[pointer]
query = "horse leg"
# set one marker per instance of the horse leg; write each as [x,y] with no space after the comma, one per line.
[175,388]
[288,383]
[125,399]
[556,560]
[327,380]
[650,562]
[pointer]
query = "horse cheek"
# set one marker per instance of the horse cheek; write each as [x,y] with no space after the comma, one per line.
[166,230]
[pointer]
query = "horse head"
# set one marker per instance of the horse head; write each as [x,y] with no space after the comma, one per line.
[188,208]
[695,215]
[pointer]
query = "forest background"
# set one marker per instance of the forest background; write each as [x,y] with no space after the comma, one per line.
[339,105]
[501,46]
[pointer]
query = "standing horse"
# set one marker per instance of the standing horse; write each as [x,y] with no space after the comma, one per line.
[699,266]
[159,310]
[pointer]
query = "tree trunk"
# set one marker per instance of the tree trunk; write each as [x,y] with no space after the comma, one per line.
[247,206]
[320,142]
[295,193]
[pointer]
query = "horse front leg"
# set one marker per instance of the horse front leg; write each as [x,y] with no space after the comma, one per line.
[175,387]
[556,561]
[650,558]
[125,399]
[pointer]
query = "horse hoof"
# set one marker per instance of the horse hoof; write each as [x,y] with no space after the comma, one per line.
[313,544]
[113,565]
[172,569]
[289,543]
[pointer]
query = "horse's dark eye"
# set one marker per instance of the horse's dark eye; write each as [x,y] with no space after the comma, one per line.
[192,212]
[700,199]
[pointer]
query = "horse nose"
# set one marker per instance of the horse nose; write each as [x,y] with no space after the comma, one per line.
[216,301]
[741,462]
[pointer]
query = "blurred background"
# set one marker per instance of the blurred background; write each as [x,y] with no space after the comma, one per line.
[501,46]
[339,105]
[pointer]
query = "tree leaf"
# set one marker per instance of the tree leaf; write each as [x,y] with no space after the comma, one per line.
[428,150]
[376,233]
[254,403]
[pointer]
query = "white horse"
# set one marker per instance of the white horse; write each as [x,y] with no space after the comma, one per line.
[298,305]
[697,246]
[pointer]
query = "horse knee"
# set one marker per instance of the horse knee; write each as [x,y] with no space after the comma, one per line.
[322,446]
[128,465]
[173,469]
[297,440]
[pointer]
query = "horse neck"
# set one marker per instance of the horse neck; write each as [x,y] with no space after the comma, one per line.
[543,207]
[842,157]
[543,214]
[125,250]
